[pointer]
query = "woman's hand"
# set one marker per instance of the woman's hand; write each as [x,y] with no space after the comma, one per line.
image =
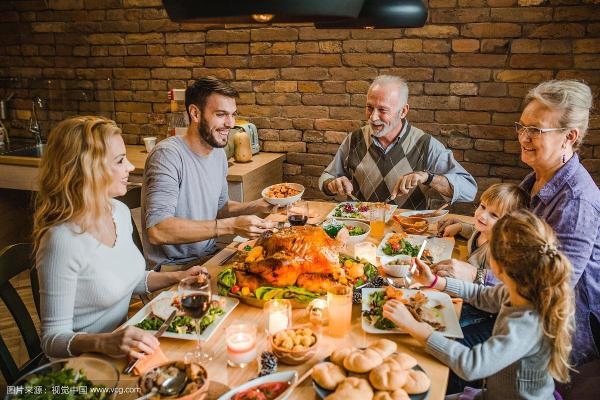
[397,312]
[130,341]
[449,227]
[455,269]
[422,273]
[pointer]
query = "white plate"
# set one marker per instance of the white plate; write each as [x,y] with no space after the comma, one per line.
[418,213]
[440,248]
[388,213]
[288,376]
[145,312]
[448,315]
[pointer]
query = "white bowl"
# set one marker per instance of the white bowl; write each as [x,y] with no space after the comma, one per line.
[399,267]
[418,213]
[288,376]
[284,201]
[358,238]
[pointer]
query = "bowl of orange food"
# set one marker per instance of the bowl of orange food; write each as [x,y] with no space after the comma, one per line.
[414,225]
[282,194]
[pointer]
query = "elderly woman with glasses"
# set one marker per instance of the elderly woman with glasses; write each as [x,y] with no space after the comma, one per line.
[551,130]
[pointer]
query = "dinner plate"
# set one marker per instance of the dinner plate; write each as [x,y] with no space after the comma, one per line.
[322,392]
[146,311]
[388,214]
[287,376]
[440,248]
[447,314]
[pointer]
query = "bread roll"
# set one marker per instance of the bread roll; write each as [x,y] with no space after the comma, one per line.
[337,357]
[384,347]
[398,394]
[388,376]
[405,361]
[361,361]
[352,389]
[417,382]
[328,375]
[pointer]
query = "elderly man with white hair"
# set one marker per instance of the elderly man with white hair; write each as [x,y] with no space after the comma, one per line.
[390,159]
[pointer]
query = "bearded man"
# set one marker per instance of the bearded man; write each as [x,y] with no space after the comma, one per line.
[390,159]
[185,201]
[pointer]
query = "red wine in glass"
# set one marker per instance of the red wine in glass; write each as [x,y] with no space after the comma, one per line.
[195,305]
[297,219]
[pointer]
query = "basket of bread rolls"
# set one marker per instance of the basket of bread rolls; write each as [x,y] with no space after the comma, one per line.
[294,346]
[377,372]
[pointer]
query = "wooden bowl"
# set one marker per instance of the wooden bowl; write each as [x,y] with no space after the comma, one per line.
[294,357]
[414,225]
[198,394]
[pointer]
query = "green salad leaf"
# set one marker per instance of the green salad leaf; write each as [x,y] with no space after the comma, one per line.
[226,280]
[374,315]
[182,323]
[67,377]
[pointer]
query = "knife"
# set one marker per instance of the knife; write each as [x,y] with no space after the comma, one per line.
[158,334]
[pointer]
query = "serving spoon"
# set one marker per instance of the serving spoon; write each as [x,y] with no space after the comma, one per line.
[171,386]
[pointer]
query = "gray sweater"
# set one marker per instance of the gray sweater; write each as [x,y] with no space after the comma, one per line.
[85,286]
[514,360]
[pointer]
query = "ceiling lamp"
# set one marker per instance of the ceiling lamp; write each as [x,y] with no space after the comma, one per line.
[267,11]
[384,14]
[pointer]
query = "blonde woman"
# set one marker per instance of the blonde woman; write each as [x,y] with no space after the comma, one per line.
[531,342]
[87,263]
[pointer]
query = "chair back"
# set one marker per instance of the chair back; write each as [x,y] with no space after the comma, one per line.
[133,199]
[15,259]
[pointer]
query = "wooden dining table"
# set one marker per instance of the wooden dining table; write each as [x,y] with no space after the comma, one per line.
[223,376]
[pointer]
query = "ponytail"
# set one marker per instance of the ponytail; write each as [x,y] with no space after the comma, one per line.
[525,247]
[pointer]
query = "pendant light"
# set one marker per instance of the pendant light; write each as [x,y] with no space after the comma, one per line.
[384,14]
[267,11]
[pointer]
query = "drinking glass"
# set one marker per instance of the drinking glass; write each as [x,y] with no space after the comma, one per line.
[297,213]
[377,220]
[195,297]
[339,305]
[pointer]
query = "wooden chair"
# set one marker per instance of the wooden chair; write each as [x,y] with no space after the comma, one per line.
[15,259]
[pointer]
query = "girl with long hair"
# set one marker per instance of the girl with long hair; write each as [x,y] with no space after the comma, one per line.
[87,262]
[531,340]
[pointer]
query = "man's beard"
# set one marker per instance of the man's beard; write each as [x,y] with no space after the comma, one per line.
[205,134]
[389,128]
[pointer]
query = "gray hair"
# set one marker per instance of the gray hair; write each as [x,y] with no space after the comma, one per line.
[573,98]
[393,80]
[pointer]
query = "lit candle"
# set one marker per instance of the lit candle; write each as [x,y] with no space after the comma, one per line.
[278,315]
[241,344]
[278,321]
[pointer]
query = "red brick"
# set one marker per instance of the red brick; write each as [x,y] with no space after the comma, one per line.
[376,34]
[524,76]
[581,13]
[306,111]
[476,169]
[274,34]
[512,146]
[347,73]
[459,15]
[238,48]
[132,73]
[523,14]
[309,87]
[586,45]
[352,113]
[380,46]
[105,38]
[525,46]
[291,169]
[478,60]
[556,46]
[408,45]
[505,119]
[509,172]
[591,77]
[261,48]
[540,61]
[312,136]
[221,73]
[290,135]
[147,61]
[326,99]
[284,48]
[465,45]
[276,86]
[226,61]
[336,137]
[549,31]
[436,46]
[146,38]
[435,102]
[271,61]
[462,117]
[46,27]
[587,61]
[307,47]
[433,31]
[459,142]
[323,148]
[171,73]
[492,30]
[268,134]
[441,3]
[463,89]
[492,89]
[367,60]
[336,125]
[312,170]
[420,60]
[354,46]
[495,46]
[437,88]
[494,158]
[330,46]
[133,107]
[462,75]
[259,111]
[226,36]
[307,33]
[284,147]
[302,123]
[309,73]
[321,60]
[309,159]
[491,103]
[492,132]
[489,145]
[278,98]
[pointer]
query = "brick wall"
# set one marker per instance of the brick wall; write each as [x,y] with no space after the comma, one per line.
[468,69]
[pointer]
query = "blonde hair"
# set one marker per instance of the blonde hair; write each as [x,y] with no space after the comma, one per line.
[393,80]
[573,98]
[74,175]
[505,197]
[524,246]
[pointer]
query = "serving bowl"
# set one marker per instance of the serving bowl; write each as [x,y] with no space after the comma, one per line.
[146,381]
[420,213]
[283,201]
[351,239]
[288,376]
[414,225]
[98,371]
[294,357]
[399,267]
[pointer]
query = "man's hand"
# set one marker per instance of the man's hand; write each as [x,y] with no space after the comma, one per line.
[251,226]
[262,206]
[455,269]
[341,185]
[407,182]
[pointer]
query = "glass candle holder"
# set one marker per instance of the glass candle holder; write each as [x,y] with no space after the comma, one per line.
[241,344]
[278,315]
[339,304]
[318,314]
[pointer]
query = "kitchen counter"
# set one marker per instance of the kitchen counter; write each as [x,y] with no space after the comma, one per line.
[246,180]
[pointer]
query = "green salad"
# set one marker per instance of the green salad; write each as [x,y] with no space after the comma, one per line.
[183,324]
[369,270]
[49,386]
[374,315]
[401,247]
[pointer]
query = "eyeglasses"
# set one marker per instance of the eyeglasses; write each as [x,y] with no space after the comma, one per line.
[534,131]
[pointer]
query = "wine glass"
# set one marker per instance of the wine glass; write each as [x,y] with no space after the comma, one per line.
[195,294]
[297,213]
